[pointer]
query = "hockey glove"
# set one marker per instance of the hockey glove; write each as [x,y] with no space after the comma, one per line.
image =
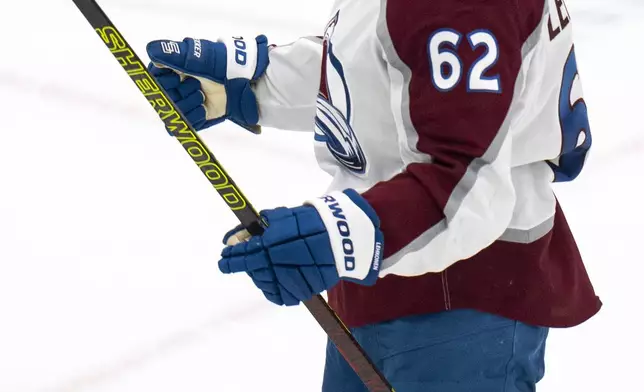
[308,249]
[210,81]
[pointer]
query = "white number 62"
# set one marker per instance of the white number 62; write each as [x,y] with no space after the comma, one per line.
[440,57]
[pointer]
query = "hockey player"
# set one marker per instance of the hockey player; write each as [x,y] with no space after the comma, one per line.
[443,124]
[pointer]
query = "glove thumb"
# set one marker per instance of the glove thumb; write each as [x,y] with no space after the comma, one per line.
[192,57]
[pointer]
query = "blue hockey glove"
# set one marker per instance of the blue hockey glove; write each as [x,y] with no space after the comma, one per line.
[210,81]
[306,250]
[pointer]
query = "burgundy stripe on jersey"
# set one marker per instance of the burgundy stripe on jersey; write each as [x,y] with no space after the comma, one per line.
[454,128]
[541,283]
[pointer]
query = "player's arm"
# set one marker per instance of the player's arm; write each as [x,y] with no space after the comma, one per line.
[456,64]
[454,197]
[287,92]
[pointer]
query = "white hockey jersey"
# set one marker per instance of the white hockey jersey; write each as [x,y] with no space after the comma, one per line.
[452,118]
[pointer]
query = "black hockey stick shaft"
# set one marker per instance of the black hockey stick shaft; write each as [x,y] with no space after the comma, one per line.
[181,129]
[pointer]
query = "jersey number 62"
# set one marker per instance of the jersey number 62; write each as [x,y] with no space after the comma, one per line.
[447,68]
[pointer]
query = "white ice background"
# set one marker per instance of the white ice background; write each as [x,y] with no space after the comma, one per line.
[109,235]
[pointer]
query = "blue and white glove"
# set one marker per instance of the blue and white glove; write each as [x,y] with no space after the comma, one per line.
[306,250]
[210,81]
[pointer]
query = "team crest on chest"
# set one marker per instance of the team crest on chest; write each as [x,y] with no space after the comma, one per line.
[334,109]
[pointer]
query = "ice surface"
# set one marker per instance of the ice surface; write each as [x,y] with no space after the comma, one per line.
[109,236]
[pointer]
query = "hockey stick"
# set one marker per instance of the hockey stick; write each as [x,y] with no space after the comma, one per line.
[179,127]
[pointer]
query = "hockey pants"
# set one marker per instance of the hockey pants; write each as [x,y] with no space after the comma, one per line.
[454,351]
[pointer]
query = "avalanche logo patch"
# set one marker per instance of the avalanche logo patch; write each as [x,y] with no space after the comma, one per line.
[333,117]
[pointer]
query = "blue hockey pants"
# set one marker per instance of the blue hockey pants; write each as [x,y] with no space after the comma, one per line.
[454,351]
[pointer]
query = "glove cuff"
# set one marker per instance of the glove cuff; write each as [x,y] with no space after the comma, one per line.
[354,233]
[246,61]
[242,103]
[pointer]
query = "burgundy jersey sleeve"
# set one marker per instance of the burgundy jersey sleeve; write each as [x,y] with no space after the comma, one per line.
[453,68]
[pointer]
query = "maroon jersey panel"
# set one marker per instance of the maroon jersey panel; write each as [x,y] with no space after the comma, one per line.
[543,282]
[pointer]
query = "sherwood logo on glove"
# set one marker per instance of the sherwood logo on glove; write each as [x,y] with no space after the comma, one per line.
[356,242]
[241,57]
[345,232]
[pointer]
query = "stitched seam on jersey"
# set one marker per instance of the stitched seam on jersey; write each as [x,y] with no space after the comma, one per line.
[465,185]
[448,297]
[445,293]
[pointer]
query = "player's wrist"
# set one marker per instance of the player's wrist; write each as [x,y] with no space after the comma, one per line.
[354,234]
